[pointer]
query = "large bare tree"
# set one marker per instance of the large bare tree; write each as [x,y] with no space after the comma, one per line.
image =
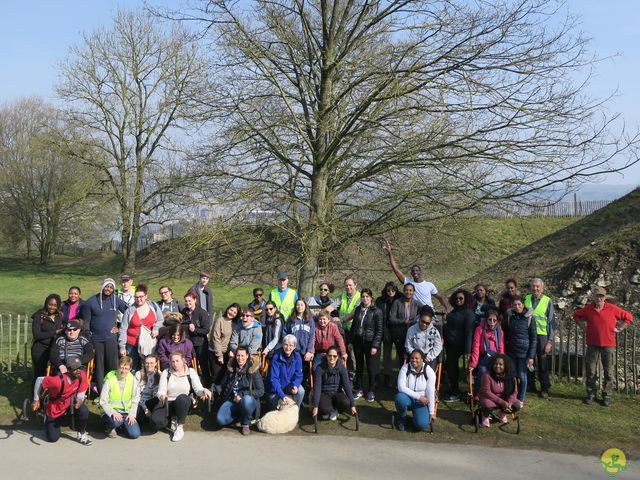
[43,191]
[347,118]
[127,90]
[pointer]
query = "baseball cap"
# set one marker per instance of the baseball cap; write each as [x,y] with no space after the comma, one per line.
[73,363]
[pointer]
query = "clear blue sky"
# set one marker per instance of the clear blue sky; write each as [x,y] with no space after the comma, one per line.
[35,36]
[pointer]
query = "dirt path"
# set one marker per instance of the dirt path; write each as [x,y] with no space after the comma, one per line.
[229,455]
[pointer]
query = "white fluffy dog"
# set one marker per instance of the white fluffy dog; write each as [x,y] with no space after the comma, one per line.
[282,420]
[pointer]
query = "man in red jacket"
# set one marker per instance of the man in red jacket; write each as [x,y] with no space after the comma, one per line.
[601,321]
[63,389]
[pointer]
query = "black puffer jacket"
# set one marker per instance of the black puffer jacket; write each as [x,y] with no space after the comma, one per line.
[366,326]
[243,381]
[458,329]
[521,334]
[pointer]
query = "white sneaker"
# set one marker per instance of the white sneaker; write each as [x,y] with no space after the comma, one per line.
[84,439]
[178,434]
[333,416]
[174,424]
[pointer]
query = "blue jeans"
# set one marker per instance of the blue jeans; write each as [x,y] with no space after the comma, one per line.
[133,431]
[231,411]
[520,366]
[133,353]
[298,397]
[421,418]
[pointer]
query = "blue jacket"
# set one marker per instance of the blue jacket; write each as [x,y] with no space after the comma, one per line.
[284,373]
[522,339]
[101,314]
[304,333]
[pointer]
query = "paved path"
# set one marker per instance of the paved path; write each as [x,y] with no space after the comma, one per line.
[228,455]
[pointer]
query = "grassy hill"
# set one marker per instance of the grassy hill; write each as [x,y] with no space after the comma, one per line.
[602,248]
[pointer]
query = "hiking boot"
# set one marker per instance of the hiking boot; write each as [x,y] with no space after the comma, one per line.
[111,433]
[371,397]
[84,439]
[401,426]
[544,394]
[358,394]
[246,430]
[606,400]
[588,400]
[333,416]
[178,434]
[502,418]
[486,423]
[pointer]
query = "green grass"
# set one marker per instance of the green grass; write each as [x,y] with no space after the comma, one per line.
[560,424]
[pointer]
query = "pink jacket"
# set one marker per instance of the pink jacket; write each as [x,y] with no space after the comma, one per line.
[478,347]
[493,390]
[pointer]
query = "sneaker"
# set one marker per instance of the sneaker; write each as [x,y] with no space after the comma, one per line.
[502,418]
[111,433]
[521,404]
[84,439]
[178,434]
[358,394]
[544,394]
[606,400]
[246,430]
[451,398]
[485,422]
[588,400]
[174,424]
[371,397]
[333,416]
[401,425]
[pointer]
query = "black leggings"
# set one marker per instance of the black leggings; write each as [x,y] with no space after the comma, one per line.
[178,407]
[453,354]
[52,425]
[105,360]
[338,401]
[362,352]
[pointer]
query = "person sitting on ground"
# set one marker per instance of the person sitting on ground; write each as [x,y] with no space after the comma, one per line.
[219,340]
[425,336]
[457,333]
[326,334]
[71,344]
[285,375]
[488,340]
[416,392]
[322,301]
[177,385]
[175,339]
[498,389]
[521,342]
[272,332]
[119,400]
[148,381]
[63,389]
[247,333]
[331,387]
[241,390]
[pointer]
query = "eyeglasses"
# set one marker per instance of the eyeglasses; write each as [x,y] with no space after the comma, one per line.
[492,320]
[140,297]
[332,356]
[324,289]
[164,292]
[259,295]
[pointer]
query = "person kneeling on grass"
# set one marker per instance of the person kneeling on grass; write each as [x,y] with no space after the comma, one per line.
[63,389]
[416,392]
[119,399]
[331,387]
[240,391]
[498,389]
[178,384]
[285,375]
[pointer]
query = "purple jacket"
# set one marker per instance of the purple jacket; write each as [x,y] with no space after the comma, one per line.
[165,347]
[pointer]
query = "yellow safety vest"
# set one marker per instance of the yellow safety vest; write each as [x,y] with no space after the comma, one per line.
[539,313]
[286,306]
[347,308]
[119,402]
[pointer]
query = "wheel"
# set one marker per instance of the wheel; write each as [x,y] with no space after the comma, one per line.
[476,422]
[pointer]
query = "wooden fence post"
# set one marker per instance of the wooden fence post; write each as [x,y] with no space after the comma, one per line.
[26,344]
[18,346]
[1,342]
[10,342]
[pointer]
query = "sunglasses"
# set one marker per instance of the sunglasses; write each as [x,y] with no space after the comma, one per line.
[332,356]
[324,289]
[259,295]
[271,309]
[72,329]
[460,299]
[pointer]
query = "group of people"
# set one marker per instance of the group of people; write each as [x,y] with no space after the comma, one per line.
[155,359]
